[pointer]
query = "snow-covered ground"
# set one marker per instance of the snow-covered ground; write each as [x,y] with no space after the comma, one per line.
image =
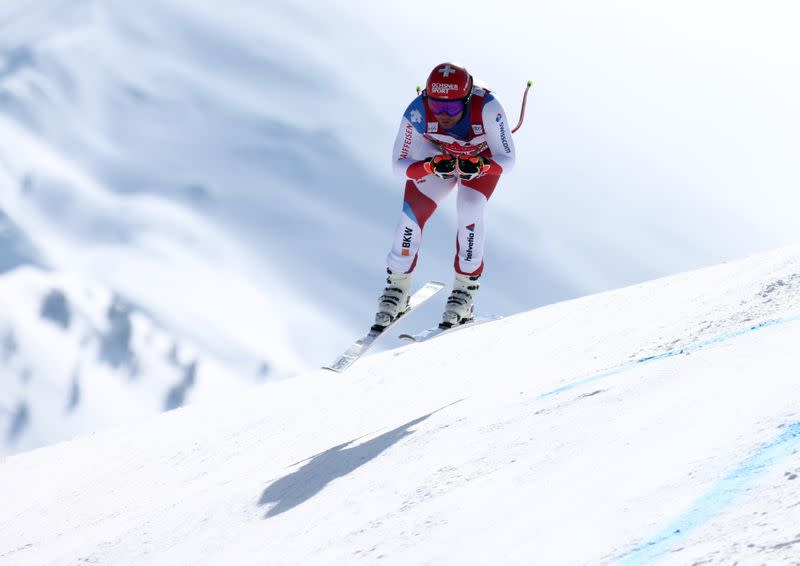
[654,423]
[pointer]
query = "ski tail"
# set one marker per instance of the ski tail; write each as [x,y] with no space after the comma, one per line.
[438,330]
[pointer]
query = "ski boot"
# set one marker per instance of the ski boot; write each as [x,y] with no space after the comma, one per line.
[461,302]
[394,301]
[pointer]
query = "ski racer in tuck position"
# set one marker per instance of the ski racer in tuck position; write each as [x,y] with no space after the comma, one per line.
[454,134]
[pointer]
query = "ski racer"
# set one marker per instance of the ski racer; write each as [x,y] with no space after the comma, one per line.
[454,134]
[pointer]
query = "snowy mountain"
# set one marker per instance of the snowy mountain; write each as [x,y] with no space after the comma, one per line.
[655,423]
[162,156]
[79,358]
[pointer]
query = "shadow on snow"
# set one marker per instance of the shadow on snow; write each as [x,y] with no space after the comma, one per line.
[307,481]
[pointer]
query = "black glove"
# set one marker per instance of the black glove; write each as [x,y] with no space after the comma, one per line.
[472,167]
[443,165]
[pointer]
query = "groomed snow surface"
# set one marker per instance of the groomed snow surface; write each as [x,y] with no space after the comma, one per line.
[656,423]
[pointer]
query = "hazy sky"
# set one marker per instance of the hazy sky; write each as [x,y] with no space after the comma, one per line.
[668,132]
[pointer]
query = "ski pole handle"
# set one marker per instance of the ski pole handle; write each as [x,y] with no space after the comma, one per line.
[522,111]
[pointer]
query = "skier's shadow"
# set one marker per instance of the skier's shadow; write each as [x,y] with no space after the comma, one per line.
[307,481]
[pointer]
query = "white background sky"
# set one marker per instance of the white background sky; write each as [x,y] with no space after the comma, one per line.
[666,131]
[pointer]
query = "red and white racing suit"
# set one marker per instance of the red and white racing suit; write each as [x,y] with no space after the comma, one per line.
[483,131]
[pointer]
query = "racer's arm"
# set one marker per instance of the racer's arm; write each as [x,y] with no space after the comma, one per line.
[410,146]
[498,137]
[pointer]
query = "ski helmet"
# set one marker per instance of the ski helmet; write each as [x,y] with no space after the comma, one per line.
[449,81]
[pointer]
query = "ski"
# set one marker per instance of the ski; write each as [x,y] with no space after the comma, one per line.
[360,346]
[439,331]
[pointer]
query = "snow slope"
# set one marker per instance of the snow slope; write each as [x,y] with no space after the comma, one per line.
[654,423]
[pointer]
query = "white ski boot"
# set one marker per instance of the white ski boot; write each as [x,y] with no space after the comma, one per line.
[394,301]
[461,301]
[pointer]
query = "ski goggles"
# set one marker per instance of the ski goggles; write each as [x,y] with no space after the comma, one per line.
[449,107]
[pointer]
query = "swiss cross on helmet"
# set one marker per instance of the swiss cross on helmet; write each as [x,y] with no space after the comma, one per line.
[449,81]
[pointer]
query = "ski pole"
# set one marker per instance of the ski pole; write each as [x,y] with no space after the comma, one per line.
[522,111]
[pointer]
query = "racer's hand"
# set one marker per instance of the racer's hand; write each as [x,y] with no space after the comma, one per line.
[442,165]
[472,167]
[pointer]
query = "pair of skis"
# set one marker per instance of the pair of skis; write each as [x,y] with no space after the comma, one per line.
[360,346]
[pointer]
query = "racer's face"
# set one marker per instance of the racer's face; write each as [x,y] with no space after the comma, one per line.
[447,112]
[446,121]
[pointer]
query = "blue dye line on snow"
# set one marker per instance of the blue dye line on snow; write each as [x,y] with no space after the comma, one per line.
[672,353]
[729,487]
[719,497]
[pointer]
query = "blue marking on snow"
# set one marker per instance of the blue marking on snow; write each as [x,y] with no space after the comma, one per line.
[730,486]
[672,353]
[720,496]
